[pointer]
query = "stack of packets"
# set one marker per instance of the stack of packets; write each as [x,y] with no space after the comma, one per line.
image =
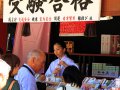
[116,84]
[105,70]
[91,83]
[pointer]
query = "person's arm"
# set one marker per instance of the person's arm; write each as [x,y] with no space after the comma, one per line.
[49,70]
[71,62]
[63,63]
[16,86]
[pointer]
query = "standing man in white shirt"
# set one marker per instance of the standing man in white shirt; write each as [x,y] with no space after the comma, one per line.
[26,75]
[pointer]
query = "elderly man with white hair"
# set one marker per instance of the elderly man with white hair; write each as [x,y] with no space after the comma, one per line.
[4,73]
[26,74]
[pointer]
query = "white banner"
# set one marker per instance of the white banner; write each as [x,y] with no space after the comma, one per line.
[51,10]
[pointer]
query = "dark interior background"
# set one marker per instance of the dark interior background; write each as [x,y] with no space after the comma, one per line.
[84,44]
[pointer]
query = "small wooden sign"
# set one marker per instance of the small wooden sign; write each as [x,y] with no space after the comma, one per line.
[69,46]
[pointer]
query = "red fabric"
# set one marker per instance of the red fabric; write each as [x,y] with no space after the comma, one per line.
[3,35]
[73,27]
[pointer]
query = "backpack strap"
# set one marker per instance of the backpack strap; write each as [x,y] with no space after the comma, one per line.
[11,85]
[28,69]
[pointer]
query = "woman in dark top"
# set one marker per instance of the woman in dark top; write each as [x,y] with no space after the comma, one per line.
[14,62]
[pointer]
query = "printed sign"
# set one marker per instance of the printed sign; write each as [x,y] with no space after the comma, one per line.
[51,10]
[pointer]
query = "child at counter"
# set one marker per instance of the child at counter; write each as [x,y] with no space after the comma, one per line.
[73,82]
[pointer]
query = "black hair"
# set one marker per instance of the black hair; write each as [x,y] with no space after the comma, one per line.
[72,75]
[63,45]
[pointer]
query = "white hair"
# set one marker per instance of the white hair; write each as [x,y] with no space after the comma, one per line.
[34,53]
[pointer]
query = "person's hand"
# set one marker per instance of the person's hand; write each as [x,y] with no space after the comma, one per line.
[56,71]
[42,77]
[63,63]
